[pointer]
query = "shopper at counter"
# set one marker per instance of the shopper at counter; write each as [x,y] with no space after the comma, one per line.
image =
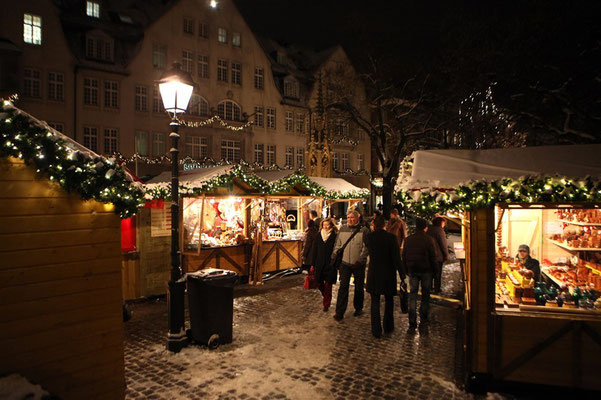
[530,263]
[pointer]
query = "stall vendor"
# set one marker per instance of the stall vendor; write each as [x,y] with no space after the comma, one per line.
[529,263]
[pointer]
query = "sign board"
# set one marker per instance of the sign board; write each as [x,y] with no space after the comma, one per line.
[160,221]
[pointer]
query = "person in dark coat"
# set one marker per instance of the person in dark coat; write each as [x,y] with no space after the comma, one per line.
[325,274]
[384,263]
[419,260]
[308,244]
[436,232]
[529,263]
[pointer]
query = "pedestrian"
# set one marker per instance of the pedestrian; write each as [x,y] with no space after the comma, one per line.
[310,234]
[397,226]
[315,218]
[384,263]
[325,273]
[354,256]
[419,261]
[436,232]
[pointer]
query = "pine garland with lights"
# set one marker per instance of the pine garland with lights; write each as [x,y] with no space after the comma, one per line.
[526,189]
[98,178]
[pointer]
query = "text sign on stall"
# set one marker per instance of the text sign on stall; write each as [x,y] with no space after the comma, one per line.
[160,221]
[553,228]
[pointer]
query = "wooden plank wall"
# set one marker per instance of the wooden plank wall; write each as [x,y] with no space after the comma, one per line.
[154,260]
[60,288]
[481,252]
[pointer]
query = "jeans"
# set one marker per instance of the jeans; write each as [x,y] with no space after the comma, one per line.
[345,278]
[376,322]
[425,278]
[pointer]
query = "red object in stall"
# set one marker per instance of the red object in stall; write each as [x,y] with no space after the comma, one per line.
[155,203]
[128,235]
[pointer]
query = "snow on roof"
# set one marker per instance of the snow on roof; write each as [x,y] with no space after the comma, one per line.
[191,177]
[273,176]
[336,185]
[449,168]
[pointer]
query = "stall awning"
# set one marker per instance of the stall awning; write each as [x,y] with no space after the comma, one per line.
[273,176]
[449,168]
[339,185]
[191,178]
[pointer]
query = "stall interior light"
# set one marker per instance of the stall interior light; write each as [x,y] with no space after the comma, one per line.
[537,206]
[565,206]
[514,206]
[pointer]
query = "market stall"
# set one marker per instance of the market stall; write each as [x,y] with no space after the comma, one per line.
[348,196]
[519,325]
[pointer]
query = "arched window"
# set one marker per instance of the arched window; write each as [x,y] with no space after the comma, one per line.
[198,106]
[229,110]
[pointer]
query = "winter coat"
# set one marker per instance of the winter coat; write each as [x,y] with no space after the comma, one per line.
[308,245]
[384,263]
[419,254]
[322,254]
[397,227]
[356,251]
[440,238]
[533,265]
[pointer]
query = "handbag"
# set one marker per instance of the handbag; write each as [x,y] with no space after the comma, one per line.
[404,298]
[337,259]
[310,280]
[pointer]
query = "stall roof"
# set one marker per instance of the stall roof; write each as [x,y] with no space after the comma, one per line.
[449,168]
[192,177]
[273,176]
[338,185]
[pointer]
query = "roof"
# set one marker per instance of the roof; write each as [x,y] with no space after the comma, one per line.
[272,176]
[338,185]
[449,168]
[192,178]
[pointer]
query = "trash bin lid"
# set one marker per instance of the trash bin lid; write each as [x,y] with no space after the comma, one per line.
[212,273]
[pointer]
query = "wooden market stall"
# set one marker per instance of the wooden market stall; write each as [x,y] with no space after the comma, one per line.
[518,327]
[60,261]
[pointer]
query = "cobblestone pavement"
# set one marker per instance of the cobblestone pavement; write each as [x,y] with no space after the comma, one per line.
[286,347]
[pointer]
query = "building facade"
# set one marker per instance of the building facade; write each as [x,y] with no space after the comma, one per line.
[89,68]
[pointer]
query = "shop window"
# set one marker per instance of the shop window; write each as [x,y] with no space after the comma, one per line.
[219,222]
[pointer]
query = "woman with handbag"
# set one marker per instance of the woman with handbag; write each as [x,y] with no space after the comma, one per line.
[325,274]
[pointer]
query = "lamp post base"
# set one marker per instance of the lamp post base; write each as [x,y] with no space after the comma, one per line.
[176,337]
[176,342]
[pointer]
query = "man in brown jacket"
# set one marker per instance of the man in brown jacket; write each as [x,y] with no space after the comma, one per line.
[397,226]
[419,260]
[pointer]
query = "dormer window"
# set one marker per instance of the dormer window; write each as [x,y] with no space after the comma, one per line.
[93,9]
[99,47]
[291,88]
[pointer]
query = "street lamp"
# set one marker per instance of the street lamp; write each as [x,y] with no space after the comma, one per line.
[176,88]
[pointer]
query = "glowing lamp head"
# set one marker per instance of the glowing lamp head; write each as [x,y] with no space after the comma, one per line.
[176,88]
[213,3]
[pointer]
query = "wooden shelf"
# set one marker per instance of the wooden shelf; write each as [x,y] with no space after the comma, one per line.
[579,223]
[554,279]
[595,270]
[564,246]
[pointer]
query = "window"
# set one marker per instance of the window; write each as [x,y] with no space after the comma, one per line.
[157,103]
[99,48]
[203,66]
[340,127]
[360,164]
[259,116]
[291,89]
[142,143]
[188,25]
[159,55]
[259,153]
[110,140]
[230,150]
[56,86]
[222,70]
[229,110]
[187,61]
[300,157]
[345,161]
[158,144]
[203,30]
[271,154]
[90,138]
[32,29]
[222,35]
[198,106]
[289,156]
[141,103]
[335,164]
[111,94]
[259,78]
[300,123]
[271,118]
[237,73]
[289,121]
[90,91]
[32,83]
[57,126]
[198,147]
[92,9]
[236,39]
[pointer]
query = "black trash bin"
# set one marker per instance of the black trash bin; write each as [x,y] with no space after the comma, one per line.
[211,305]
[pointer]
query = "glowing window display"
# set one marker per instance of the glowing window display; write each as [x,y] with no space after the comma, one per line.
[215,222]
[283,219]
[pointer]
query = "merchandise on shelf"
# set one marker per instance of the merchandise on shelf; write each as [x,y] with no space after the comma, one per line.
[219,222]
[592,216]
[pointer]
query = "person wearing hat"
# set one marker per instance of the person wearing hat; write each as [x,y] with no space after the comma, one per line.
[530,263]
[419,261]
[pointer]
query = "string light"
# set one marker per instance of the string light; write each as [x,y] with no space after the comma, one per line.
[215,119]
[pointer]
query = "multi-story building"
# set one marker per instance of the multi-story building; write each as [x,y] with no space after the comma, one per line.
[90,69]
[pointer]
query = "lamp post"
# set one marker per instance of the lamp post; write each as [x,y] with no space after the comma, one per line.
[176,88]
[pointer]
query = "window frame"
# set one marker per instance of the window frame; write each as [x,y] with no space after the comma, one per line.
[33,28]
[270,154]
[270,115]
[236,73]
[94,10]
[89,139]
[222,70]
[233,146]
[91,91]
[221,35]
[114,140]
[111,94]
[259,153]
[32,83]
[289,157]
[141,98]
[259,78]
[56,86]
[289,118]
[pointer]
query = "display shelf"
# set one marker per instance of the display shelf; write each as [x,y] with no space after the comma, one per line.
[554,279]
[579,223]
[564,246]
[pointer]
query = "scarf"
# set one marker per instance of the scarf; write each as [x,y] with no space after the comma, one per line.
[325,234]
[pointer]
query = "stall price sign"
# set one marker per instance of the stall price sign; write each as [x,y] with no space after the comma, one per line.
[160,221]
